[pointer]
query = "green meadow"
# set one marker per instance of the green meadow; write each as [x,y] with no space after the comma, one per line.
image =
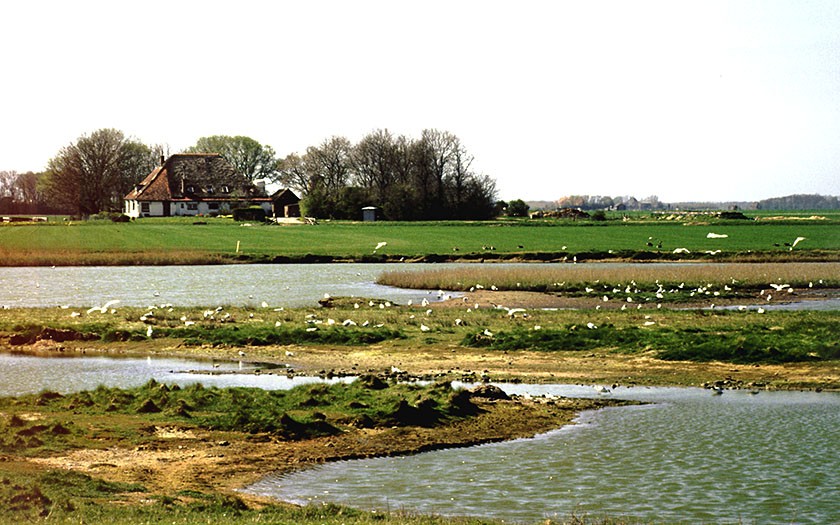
[221,240]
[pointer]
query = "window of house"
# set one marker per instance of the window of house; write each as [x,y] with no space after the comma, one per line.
[213,205]
[144,207]
[192,206]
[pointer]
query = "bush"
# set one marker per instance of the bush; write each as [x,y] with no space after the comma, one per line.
[251,213]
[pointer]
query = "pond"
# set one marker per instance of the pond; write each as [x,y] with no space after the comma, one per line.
[689,457]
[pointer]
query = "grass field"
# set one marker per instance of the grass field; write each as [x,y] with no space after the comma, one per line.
[179,241]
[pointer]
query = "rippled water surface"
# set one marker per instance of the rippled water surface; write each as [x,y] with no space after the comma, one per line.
[688,457]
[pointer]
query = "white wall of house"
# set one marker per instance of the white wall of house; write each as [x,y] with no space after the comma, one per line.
[184,209]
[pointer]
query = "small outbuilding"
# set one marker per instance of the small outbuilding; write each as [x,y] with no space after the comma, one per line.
[369,213]
[285,203]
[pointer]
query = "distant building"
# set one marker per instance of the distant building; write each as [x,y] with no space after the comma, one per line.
[369,214]
[196,184]
[285,203]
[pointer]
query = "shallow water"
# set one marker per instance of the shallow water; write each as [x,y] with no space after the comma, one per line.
[689,457]
[21,374]
[286,285]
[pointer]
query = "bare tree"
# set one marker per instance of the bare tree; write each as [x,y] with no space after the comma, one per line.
[292,173]
[458,178]
[376,162]
[330,164]
[93,174]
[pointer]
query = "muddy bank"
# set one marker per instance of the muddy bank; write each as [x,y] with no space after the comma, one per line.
[194,459]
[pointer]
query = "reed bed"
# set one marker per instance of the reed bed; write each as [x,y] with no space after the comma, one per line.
[578,277]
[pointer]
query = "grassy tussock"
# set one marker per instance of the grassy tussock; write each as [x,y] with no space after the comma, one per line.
[802,341]
[579,277]
[303,412]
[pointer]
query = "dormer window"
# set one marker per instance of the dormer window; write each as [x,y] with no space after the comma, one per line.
[225,189]
[190,189]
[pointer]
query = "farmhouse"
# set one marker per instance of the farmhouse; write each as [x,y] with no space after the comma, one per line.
[201,184]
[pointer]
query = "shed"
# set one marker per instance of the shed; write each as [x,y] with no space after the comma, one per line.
[369,213]
[285,203]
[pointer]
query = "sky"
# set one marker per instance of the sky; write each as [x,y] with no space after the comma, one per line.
[693,100]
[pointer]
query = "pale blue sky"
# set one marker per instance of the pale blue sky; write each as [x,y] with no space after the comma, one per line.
[701,100]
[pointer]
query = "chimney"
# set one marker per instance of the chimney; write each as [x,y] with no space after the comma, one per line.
[162,160]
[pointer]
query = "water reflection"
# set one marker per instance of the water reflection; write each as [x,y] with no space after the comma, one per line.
[21,374]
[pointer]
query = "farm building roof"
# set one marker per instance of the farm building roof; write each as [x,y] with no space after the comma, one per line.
[195,176]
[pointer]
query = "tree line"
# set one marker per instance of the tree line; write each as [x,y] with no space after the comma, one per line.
[800,202]
[429,178]
[86,177]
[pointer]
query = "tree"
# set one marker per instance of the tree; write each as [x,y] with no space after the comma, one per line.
[432,160]
[27,188]
[330,163]
[458,183]
[92,174]
[328,169]
[292,173]
[517,208]
[250,158]
[375,163]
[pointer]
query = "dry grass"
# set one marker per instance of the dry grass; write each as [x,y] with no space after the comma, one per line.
[571,277]
[127,258]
